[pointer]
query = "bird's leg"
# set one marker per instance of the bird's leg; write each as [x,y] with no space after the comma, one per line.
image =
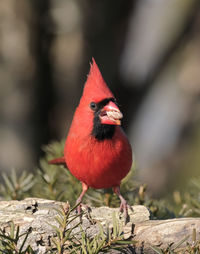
[79,200]
[123,206]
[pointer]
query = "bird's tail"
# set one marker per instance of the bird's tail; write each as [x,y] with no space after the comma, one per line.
[58,161]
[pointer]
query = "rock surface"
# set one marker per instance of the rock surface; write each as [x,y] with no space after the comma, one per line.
[38,214]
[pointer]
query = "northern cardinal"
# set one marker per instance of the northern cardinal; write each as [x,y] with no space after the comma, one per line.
[97,151]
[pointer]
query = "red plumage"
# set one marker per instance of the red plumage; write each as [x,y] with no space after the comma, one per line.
[97,162]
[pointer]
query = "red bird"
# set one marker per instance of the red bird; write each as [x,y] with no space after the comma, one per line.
[97,151]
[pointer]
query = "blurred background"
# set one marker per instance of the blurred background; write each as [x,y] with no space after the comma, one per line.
[149,54]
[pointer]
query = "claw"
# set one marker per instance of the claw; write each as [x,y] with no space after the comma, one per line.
[79,209]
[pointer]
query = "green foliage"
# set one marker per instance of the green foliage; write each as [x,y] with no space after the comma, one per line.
[9,241]
[189,200]
[64,239]
[193,248]
[55,182]
[105,240]
[15,187]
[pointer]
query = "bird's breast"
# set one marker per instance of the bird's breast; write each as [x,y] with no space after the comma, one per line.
[99,164]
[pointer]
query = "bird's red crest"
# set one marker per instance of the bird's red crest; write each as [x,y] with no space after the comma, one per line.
[95,88]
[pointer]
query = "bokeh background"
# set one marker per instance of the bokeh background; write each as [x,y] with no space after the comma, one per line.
[149,54]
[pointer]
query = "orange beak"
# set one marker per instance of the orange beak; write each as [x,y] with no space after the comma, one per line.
[110,114]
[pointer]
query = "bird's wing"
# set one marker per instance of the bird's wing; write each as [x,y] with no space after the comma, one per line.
[58,161]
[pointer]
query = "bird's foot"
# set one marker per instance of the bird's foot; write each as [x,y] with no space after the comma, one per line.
[123,206]
[124,209]
[79,209]
[86,212]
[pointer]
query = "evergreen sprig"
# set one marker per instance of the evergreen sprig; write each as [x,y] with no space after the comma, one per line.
[64,231]
[9,241]
[106,240]
[16,187]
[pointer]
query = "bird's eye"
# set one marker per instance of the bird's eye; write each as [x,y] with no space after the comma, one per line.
[93,105]
[114,100]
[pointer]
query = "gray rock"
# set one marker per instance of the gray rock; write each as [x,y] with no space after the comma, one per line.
[39,216]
